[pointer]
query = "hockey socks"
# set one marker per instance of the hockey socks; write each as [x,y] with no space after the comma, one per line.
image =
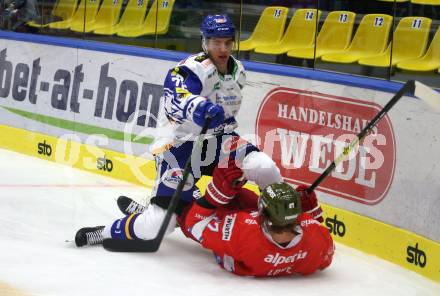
[124,228]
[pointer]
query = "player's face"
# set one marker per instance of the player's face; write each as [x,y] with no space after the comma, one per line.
[220,50]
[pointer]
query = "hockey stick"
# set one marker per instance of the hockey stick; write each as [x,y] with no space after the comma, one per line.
[152,245]
[419,90]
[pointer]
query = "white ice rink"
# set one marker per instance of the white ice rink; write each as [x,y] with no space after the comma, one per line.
[43,204]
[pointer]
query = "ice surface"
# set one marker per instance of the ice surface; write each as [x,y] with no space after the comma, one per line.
[42,204]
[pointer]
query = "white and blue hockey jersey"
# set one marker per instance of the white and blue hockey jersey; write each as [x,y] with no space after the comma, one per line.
[191,81]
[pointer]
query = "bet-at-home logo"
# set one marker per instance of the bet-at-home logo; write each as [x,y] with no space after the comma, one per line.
[110,98]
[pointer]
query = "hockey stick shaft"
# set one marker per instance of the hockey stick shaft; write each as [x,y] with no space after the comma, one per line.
[409,86]
[197,148]
[154,244]
[416,88]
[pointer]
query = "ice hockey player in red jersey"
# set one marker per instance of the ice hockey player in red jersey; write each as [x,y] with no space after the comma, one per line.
[275,234]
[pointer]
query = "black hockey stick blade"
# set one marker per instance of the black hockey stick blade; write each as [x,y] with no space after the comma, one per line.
[131,246]
[149,246]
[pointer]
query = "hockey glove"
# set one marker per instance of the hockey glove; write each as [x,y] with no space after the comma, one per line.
[227,180]
[309,203]
[207,109]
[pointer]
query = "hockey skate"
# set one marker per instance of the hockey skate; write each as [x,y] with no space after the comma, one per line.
[129,206]
[89,236]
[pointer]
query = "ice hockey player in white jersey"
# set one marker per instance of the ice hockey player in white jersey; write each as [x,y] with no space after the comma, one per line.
[204,85]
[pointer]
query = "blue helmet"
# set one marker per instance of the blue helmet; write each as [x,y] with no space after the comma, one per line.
[219,25]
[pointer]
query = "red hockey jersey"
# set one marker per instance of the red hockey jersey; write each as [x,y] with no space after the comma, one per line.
[241,246]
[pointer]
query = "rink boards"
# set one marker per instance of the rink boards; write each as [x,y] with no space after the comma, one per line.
[94,106]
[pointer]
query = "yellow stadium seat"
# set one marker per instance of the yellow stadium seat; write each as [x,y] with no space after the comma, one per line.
[409,42]
[300,33]
[334,36]
[371,38]
[85,14]
[107,16]
[429,62]
[63,9]
[157,20]
[132,17]
[426,2]
[269,29]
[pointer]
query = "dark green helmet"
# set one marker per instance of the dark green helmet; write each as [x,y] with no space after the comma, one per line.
[280,204]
